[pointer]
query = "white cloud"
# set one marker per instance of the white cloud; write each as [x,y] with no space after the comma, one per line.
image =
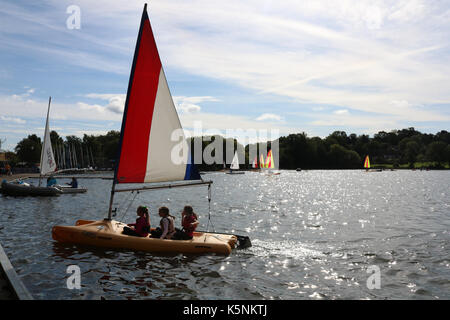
[116,102]
[10,119]
[191,104]
[388,58]
[341,112]
[18,106]
[269,116]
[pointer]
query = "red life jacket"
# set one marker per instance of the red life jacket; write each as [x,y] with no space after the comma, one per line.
[188,228]
[142,227]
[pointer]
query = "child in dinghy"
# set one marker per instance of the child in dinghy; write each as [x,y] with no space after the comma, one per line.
[189,222]
[166,227]
[142,226]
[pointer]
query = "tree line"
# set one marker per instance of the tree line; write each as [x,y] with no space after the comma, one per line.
[337,151]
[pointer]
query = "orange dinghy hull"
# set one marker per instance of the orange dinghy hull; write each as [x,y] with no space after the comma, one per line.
[108,234]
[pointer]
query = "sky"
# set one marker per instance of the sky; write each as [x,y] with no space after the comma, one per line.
[282,66]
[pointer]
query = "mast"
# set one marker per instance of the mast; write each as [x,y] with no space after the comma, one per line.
[82,158]
[75,159]
[92,157]
[64,155]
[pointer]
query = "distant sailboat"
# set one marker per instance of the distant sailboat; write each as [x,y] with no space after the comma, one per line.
[270,164]
[47,165]
[367,163]
[269,160]
[234,167]
[255,163]
[146,153]
[367,166]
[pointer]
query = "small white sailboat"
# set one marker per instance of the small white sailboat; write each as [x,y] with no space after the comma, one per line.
[234,167]
[47,166]
[146,155]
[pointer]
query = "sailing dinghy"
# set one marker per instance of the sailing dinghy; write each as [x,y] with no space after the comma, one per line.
[234,167]
[47,166]
[367,166]
[146,156]
[270,164]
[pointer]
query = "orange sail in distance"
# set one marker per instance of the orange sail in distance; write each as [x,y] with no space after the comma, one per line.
[269,160]
[367,163]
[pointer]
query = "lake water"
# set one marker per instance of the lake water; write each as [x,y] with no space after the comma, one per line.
[315,234]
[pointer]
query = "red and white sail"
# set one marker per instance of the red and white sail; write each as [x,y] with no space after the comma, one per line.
[153,146]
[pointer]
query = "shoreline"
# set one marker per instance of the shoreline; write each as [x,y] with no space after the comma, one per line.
[15,176]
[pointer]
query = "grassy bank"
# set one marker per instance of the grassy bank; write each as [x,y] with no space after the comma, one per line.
[416,165]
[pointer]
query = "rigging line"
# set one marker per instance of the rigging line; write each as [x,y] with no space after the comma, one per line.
[137,192]
[121,203]
[131,202]
[209,210]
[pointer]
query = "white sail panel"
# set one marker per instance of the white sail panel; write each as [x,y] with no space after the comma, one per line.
[235,162]
[164,160]
[48,163]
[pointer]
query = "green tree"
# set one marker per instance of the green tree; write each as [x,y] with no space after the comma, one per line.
[412,149]
[437,151]
[29,149]
[342,158]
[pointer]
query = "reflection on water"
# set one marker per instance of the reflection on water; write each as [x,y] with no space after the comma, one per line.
[314,234]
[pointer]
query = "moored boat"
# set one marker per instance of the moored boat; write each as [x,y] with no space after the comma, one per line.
[25,189]
[47,166]
[68,189]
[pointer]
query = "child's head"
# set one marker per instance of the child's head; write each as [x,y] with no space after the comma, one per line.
[142,210]
[188,210]
[163,211]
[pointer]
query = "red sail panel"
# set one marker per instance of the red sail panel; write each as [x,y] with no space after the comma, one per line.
[138,114]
